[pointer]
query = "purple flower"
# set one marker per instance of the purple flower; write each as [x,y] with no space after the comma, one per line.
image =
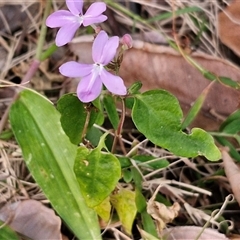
[70,21]
[94,75]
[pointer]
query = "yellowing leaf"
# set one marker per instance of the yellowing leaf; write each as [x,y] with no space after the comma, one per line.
[124,203]
[104,209]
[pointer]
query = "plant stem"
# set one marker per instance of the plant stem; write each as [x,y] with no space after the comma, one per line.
[43,31]
[119,129]
[37,61]
[86,123]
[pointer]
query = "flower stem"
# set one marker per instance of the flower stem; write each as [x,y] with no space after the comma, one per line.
[43,31]
[118,132]
[86,123]
[37,61]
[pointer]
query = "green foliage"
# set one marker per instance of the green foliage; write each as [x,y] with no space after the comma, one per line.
[74,115]
[7,233]
[158,116]
[110,106]
[50,157]
[97,173]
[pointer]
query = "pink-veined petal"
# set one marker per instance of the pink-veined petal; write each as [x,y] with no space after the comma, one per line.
[113,83]
[109,50]
[98,46]
[91,20]
[95,9]
[75,69]
[66,33]
[75,6]
[59,18]
[87,91]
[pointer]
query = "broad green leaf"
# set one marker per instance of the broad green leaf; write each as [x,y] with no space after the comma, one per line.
[50,157]
[157,114]
[110,106]
[74,115]
[124,203]
[6,233]
[97,173]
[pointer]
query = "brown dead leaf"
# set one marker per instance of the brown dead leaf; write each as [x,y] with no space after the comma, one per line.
[229,26]
[162,67]
[232,172]
[160,212]
[32,219]
[191,232]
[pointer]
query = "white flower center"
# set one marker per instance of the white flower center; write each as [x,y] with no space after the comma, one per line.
[79,19]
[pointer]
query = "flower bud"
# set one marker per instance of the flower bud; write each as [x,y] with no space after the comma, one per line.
[126,41]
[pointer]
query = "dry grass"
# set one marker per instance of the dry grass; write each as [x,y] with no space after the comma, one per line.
[188,181]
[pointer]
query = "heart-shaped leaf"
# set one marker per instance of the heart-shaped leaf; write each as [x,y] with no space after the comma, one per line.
[97,173]
[157,114]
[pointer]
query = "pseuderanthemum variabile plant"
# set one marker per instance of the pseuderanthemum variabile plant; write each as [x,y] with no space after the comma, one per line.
[93,76]
[70,21]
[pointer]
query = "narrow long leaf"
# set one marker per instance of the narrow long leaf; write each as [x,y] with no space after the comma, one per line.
[50,155]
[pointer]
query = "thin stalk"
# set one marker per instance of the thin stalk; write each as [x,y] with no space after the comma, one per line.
[43,32]
[86,124]
[118,132]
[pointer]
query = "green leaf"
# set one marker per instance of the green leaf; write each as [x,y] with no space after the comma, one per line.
[124,203]
[127,175]
[157,114]
[135,87]
[232,150]
[6,135]
[110,106]
[229,82]
[196,107]
[147,236]
[229,125]
[7,233]
[160,163]
[140,201]
[74,115]
[97,174]
[179,12]
[50,157]
[148,223]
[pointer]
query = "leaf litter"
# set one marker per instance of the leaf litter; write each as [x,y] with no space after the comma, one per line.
[175,75]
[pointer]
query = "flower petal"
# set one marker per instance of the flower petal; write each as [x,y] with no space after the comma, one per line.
[109,50]
[66,33]
[113,83]
[88,91]
[75,6]
[98,46]
[74,69]
[59,18]
[95,9]
[91,20]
